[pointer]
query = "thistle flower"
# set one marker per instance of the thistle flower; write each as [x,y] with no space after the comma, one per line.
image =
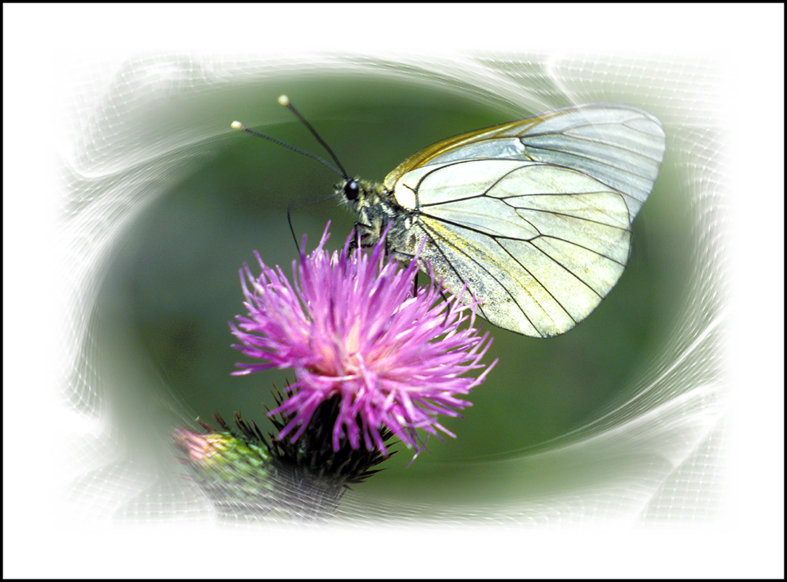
[352,327]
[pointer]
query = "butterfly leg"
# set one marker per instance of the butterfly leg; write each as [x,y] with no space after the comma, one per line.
[364,230]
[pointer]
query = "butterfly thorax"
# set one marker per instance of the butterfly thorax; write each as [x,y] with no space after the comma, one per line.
[375,208]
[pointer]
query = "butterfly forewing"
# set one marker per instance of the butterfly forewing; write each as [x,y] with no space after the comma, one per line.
[620,145]
[533,216]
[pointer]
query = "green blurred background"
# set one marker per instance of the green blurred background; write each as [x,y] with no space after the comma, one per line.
[172,278]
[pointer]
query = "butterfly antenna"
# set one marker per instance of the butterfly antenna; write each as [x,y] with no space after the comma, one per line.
[238,125]
[285,102]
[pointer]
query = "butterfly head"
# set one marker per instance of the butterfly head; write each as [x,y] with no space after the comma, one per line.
[358,194]
[350,189]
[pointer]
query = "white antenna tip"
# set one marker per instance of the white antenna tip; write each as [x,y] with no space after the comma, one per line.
[236,125]
[284,100]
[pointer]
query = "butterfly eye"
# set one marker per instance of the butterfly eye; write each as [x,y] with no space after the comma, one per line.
[351,189]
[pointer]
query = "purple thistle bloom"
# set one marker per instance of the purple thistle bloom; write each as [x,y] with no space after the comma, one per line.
[350,326]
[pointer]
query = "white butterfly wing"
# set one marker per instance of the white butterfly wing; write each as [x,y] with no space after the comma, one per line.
[619,145]
[534,216]
[541,244]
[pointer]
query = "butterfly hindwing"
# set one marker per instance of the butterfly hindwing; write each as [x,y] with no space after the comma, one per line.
[541,244]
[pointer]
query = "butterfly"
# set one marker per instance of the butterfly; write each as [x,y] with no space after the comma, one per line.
[533,217]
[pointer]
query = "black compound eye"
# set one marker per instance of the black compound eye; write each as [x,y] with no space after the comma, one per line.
[351,189]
